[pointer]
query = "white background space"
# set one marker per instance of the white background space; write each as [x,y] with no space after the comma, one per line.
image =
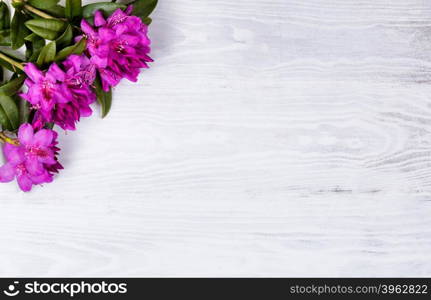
[269,138]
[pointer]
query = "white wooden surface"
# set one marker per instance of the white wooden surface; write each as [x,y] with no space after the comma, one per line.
[270,138]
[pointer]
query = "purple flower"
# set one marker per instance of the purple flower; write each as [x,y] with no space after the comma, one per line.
[33,160]
[118,46]
[47,90]
[80,75]
[61,97]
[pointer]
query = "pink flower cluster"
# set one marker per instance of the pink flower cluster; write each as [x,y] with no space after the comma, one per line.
[117,48]
[61,97]
[33,160]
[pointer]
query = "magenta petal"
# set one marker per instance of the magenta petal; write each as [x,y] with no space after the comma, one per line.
[55,73]
[73,63]
[24,183]
[43,137]
[116,16]
[25,134]
[99,61]
[13,154]
[99,20]
[129,10]
[48,161]
[44,178]
[106,33]
[7,173]
[86,27]
[33,72]
[34,167]
[86,111]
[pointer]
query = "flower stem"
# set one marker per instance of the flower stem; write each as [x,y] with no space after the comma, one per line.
[37,12]
[11,61]
[5,139]
[23,4]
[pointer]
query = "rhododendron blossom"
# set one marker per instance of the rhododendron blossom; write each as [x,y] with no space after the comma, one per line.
[32,160]
[58,96]
[118,46]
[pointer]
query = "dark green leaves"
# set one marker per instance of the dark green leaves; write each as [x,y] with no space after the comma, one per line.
[73,9]
[24,110]
[4,16]
[34,45]
[56,11]
[106,7]
[104,98]
[43,4]
[12,86]
[9,114]
[143,8]
[78,48]
[66,38]
[32,37]
[47,54]
[49,29]
[5,38]
[18,30]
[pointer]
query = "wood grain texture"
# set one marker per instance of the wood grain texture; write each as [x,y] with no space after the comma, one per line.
[269,138]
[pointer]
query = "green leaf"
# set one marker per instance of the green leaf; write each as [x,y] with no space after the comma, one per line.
[4,16]
[73,9]
[104,98]
[106,7]
[13,86]
[66,38]
[143,8]
[18,30]
[34,47]
[5,32]
[56,11]
[42,4]
[5,38]
[9,113]
[78,48]
[49,29]
[4,121]
[147,21]
[47,54]
[32,37]
[24,110]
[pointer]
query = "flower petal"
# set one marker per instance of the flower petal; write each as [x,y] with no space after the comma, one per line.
[43,138]
[7,173]
[34,167]
[25,183]
[33,72]
[129,10]
[99,20]
[43,178]
[13,154]
[55,73]
[86,28]
[25,134]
